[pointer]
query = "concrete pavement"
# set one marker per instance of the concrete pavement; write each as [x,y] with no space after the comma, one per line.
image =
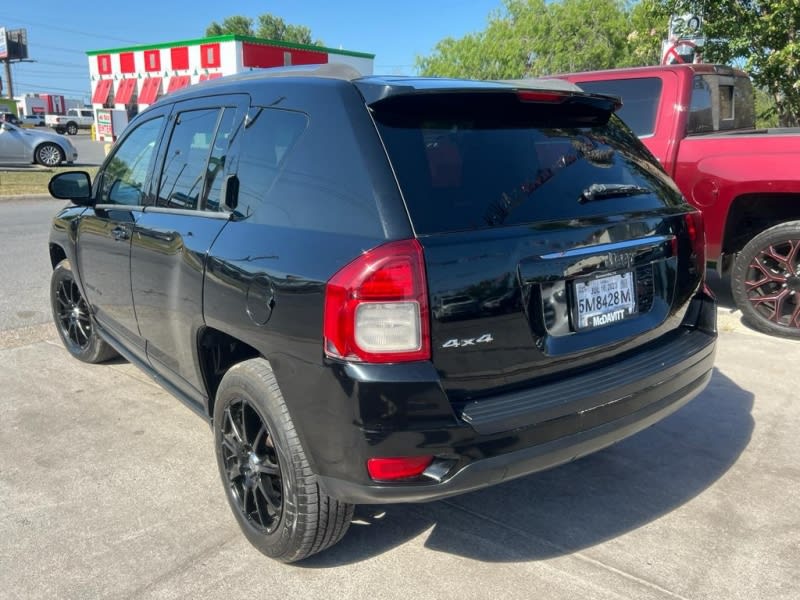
[109,490]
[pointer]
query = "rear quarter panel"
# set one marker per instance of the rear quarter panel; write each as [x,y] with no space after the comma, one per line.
[712,171]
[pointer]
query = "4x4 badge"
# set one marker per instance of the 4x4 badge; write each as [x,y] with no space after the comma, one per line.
[457,343]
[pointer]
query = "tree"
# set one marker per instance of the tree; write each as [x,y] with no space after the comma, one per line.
[269,27]
[761,35]
[237,25]
[535,37]
[648,23]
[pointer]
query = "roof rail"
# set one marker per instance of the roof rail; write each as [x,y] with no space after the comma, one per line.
[326,70]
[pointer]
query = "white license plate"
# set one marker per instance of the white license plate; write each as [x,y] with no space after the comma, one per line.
[604,300]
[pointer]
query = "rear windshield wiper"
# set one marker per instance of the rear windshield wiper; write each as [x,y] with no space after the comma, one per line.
[601,191]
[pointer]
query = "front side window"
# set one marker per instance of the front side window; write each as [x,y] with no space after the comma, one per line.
[123,180]
[186,160]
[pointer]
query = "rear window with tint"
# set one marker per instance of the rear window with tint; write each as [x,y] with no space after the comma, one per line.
[461,171]
[639,100]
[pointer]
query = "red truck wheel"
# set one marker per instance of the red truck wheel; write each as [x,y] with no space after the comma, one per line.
[766,280]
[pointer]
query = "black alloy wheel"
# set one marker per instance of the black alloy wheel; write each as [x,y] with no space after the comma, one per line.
[73,318]
[252,467]
[766,280]
[72,128]
[270,485]
[73,314]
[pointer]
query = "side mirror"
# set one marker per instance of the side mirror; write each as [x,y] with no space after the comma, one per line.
[72,185]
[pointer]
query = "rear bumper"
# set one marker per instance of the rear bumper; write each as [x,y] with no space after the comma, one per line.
[553,424]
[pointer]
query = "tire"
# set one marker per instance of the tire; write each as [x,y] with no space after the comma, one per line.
[270,487]
[766,280]
[72,318]
[72,128]
[49,155]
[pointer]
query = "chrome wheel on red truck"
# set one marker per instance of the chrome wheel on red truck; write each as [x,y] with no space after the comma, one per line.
[766,280]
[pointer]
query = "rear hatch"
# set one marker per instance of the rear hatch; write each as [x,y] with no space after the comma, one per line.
[553,241]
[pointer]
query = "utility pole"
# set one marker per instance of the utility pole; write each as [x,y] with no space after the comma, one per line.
[9,82]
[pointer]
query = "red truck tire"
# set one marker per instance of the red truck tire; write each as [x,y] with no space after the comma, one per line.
[766,280]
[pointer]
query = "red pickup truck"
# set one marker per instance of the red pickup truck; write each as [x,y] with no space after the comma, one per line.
[699,121]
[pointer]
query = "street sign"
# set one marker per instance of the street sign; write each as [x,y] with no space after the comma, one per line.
[685,27]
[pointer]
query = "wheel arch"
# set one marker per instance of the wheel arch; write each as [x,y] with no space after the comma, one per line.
[217,352]
[749,215]
[57,254]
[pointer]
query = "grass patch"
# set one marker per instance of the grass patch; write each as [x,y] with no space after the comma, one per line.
[32,180]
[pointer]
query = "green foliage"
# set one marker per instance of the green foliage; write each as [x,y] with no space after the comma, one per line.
[237,25]
[764,37]
[269,27]
[766,110]
[534,37]
[648,23]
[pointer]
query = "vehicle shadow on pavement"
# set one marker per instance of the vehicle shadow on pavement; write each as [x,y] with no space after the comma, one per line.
[574,506]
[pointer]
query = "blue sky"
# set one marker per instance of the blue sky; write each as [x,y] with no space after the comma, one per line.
[59,33]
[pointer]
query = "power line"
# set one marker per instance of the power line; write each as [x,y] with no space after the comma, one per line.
[57,64]
[70,50]
[92,34]
[28,84]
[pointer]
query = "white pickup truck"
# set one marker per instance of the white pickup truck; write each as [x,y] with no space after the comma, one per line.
[76,118]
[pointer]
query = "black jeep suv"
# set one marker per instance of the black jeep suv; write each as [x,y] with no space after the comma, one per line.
[382,289]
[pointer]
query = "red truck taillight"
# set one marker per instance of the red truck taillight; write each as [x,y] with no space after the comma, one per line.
[695,227]
[376,307]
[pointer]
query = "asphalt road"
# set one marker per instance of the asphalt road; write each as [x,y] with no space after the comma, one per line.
[108,489]
[90,153]
[25,263]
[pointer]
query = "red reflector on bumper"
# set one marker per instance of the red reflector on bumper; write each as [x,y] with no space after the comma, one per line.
[404,467]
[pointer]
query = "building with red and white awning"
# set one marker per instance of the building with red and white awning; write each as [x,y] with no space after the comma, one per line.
[132,78]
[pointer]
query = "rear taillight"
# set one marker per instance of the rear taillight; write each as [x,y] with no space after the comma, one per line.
[376,307]
[695,227]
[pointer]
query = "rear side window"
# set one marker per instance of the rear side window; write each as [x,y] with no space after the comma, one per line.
[293,175]
[268,138]
[639,100]
[461,171]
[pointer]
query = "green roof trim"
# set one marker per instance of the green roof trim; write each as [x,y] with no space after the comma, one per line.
[229,38]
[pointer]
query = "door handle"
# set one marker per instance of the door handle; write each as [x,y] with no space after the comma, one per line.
[120,234]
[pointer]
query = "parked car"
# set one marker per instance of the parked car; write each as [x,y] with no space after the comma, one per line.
[269,246]
[33,121]
[72,121]
[18,145]
[699,121]
[7,117]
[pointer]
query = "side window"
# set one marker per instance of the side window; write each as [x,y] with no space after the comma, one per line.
[266,145]
[185,162]
[215,171]
[701,114]
[123,180]
[639,100]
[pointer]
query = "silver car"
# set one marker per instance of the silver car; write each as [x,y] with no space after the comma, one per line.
[19,145]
